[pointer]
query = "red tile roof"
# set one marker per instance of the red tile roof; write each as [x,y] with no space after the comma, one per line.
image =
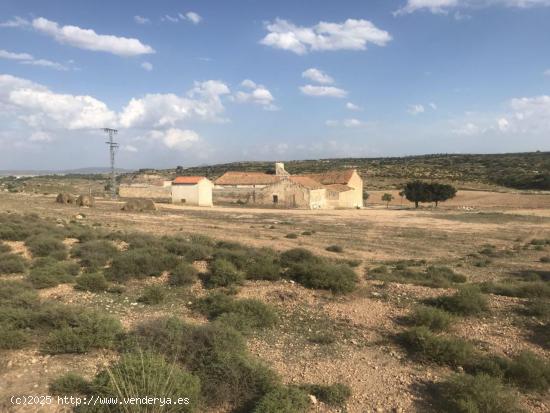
[306,182]
[338,187]
[246,178]
[188,180]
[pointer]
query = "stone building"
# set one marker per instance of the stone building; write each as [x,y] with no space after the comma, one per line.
[332,189]
[192,190]
[149,186]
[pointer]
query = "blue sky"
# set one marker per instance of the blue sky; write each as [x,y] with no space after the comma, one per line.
[195,82]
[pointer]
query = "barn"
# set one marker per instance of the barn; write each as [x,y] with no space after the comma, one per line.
[192,190]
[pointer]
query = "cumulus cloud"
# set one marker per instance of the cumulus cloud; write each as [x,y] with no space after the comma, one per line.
[141,20]
[416,109]
[444,6]
[39,107]
[352,106]
[178,139]
[88,39]
[350,35]
[147,66]
[28,59]
[257,94]
[319,91]
[318,76]
[158,110]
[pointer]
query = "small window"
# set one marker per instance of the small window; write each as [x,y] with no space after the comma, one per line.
[275,199]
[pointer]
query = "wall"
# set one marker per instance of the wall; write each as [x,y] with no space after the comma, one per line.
[354,198]
[160,193]
[233,194]
[199,194]
[289,195]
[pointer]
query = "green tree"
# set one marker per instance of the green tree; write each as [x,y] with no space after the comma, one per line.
[441,192]
[417,191]
[387,198]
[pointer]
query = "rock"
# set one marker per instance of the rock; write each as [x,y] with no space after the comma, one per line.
[312,399]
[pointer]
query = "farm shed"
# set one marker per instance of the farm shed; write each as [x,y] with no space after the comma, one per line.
[192,190]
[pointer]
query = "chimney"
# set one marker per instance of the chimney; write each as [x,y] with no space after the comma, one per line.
[280,169]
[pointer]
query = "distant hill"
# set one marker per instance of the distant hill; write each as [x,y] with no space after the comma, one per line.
[79,171]
[530,170]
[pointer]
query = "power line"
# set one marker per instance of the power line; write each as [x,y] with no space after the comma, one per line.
[112,148]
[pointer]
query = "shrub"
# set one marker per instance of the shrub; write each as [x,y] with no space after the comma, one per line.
[297,256]
[43,245]
[425,345]
[538,308]
[95,253]
[334,395]
[291,235]
[140,263]
[146,374]
[243,315]
[263,265]
[217,354]
[432,277]
[475,394]
[94,282]
[467,302]
[190,251]
[183,274]
[46,273]
[322,338]
[89,330]
[339,279]
[12,263]
[335,248]
[223,273]
[70,384]
[523,289]
[12,338]
[152,295]
[545,259]
[432,318]
[4,248]
[529,372]
[283,399]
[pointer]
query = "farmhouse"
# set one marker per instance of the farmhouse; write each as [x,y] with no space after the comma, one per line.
[192,190]
[333,189]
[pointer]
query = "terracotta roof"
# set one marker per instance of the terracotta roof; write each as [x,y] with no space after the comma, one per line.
[246,178]
[188,179]
[338,187]
[333,177]
[306,182]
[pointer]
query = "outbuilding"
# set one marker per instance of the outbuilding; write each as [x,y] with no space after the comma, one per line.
[192,190]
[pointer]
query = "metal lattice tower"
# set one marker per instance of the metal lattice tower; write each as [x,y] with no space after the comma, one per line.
[112,148]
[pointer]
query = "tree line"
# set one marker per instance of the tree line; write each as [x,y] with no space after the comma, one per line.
[419,191]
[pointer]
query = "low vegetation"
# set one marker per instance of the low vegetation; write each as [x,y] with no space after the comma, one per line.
[468,301]
[12,263]
[432,276]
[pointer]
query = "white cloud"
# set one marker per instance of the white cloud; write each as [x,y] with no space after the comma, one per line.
[433,105]
[15,22]
[546,72]
[416,109]
[248,84]
[193,17]
[328,91]
[503,124]
[444,6]
[40,136]
[147,66]
[350,35]
[468,129]
[177,138]
[28,59]
[141,20]
[347,123]
[38,107]
[352,106]
[169,18]
[317,76]
[129,148]
[168,110]
[88,39]
[258,94]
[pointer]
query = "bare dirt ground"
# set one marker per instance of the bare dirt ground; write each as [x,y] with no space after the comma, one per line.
[381,376]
